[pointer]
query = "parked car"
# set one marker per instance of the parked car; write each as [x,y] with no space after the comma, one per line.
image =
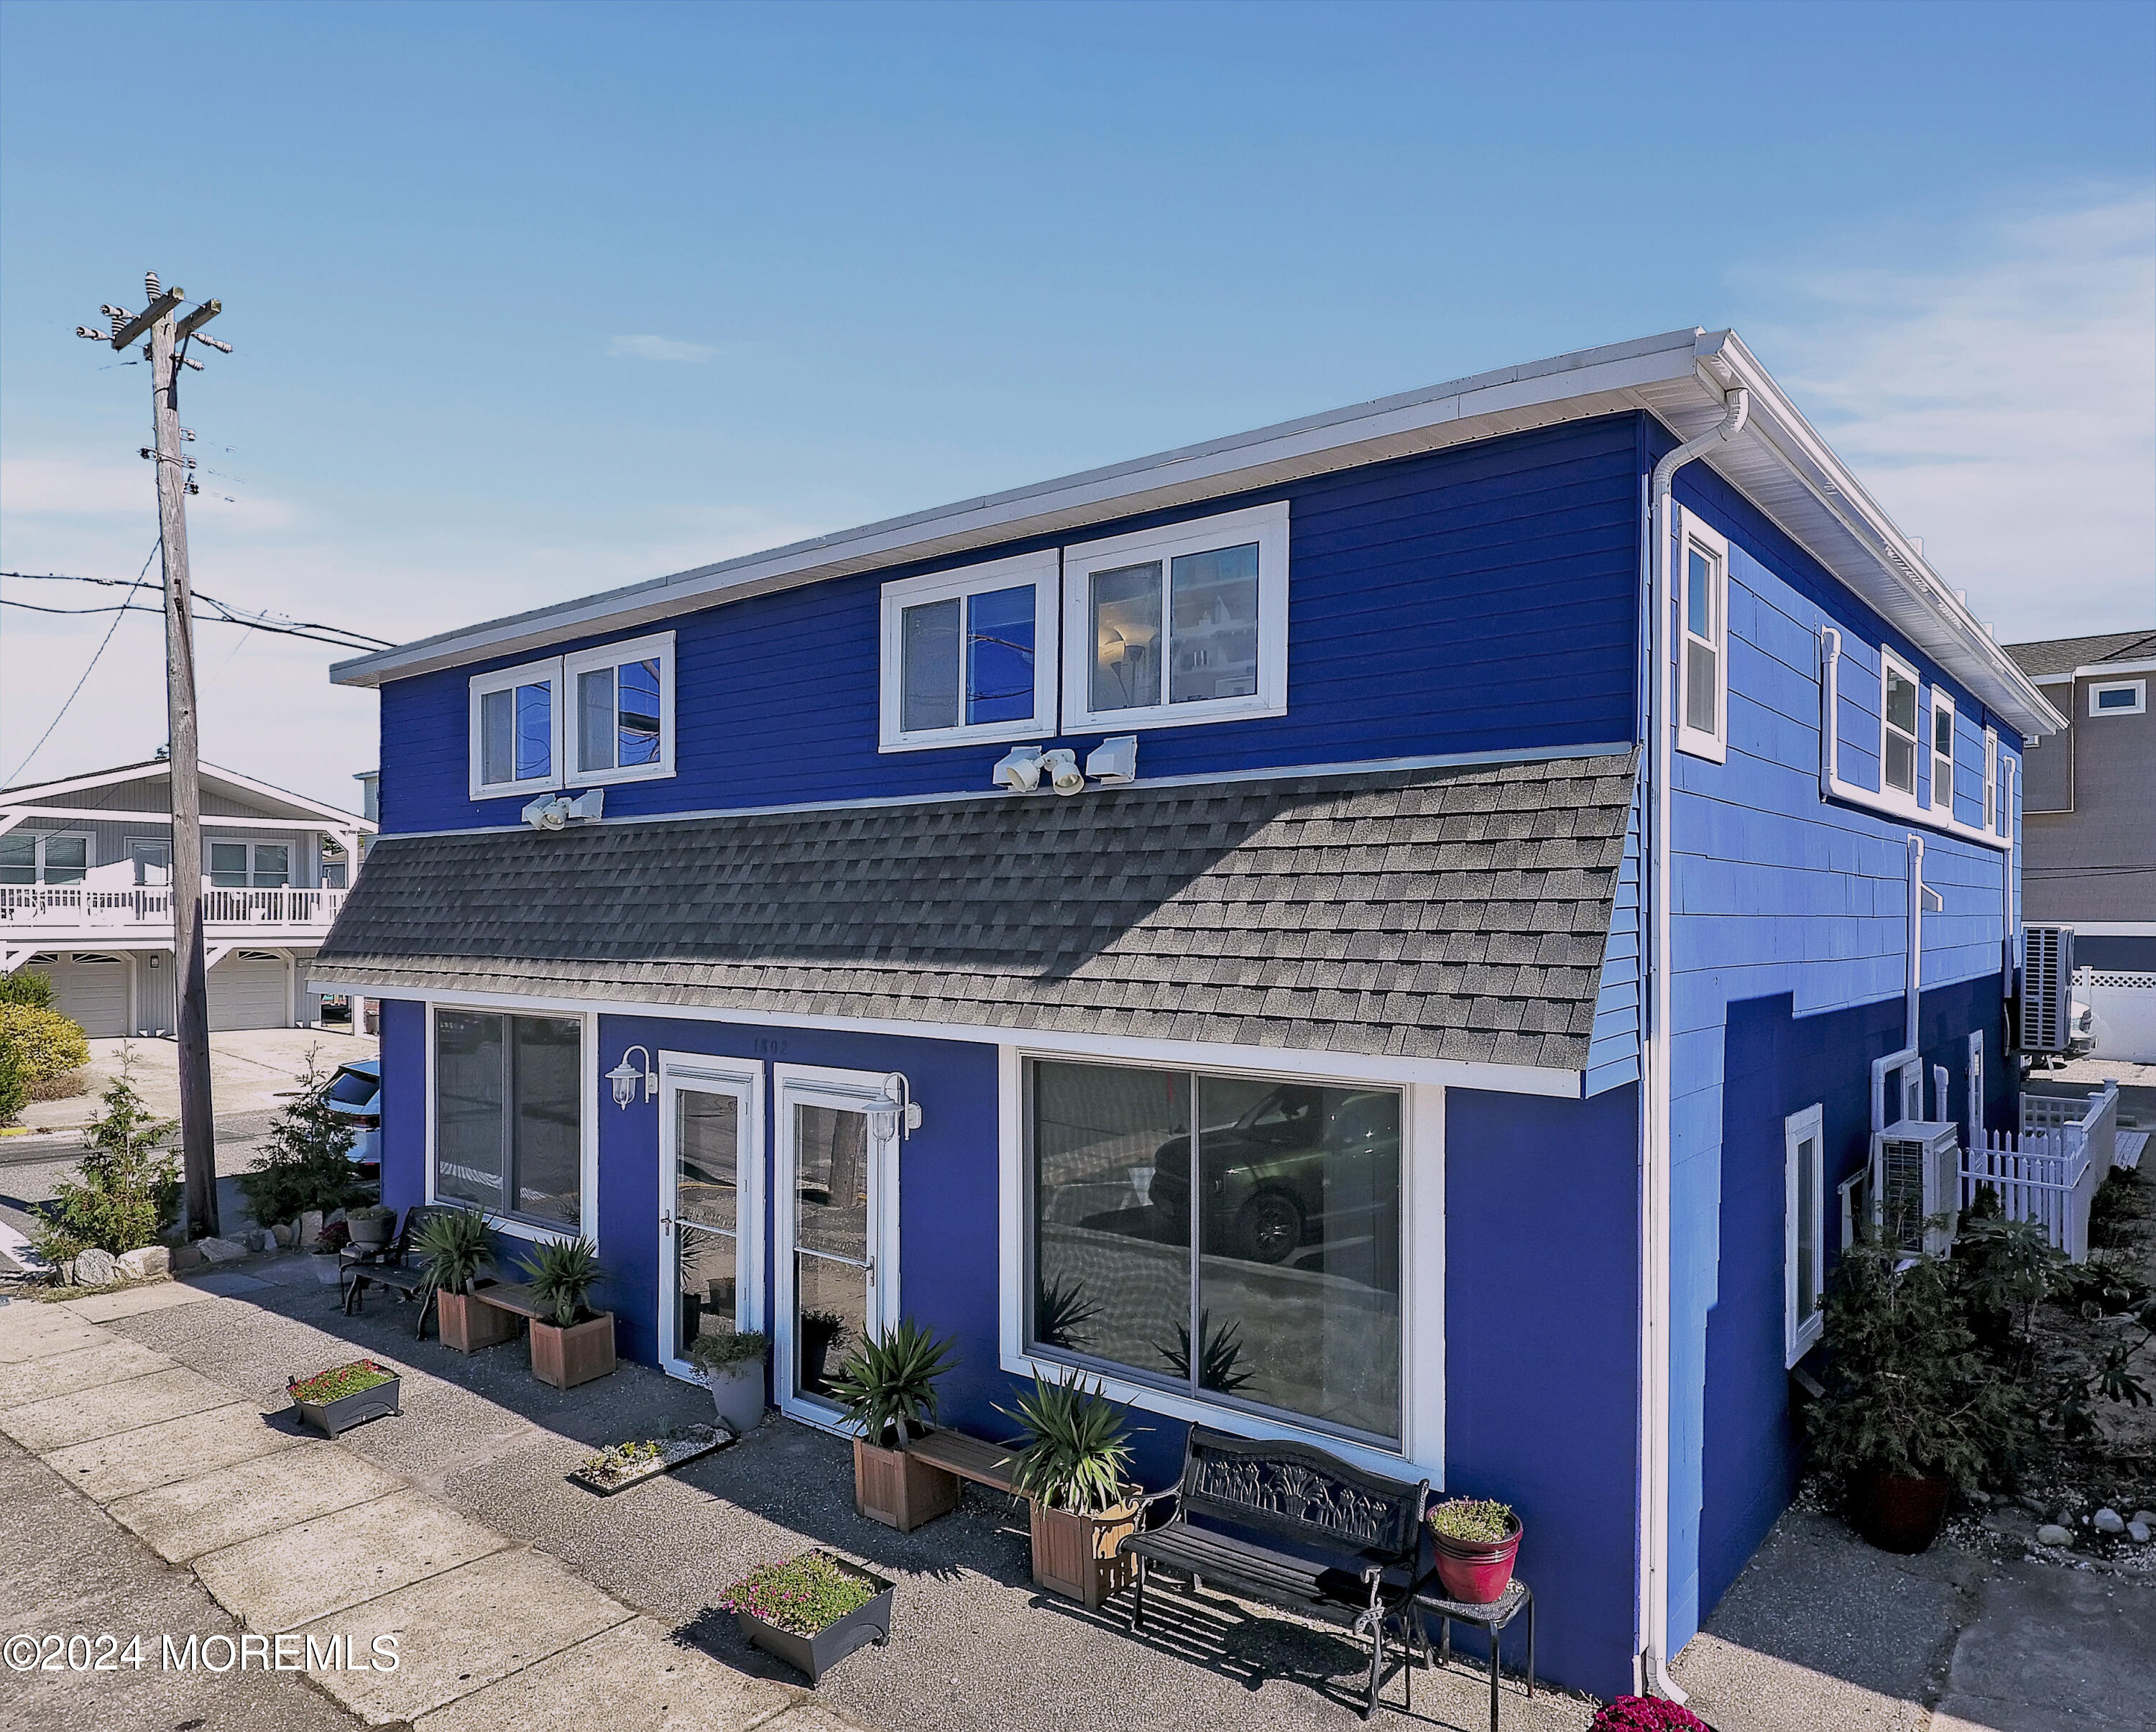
[1303,1158]
[355,1092]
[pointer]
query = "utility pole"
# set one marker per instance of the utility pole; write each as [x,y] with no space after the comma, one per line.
[166,352]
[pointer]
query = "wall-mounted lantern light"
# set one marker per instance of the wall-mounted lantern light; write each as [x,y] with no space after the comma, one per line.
[626,1076]
[893,1112]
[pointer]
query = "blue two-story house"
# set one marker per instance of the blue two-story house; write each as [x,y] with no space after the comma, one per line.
[1415,904]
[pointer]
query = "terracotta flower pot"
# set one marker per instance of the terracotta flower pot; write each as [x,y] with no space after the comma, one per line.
[1897,1512]
[1474,1571]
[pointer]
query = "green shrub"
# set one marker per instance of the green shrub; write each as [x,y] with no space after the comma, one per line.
[51,1045]
[1472,1521]
[723,1350]
[128,1193]
[25,986]
[305,1162]
[14,1083]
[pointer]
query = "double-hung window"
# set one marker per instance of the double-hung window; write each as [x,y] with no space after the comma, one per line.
[1703,666]
[1184,623]
[240,866]
[27,857]
[969,656]
[1235,1240]
[583,719]
[1899,743]
[508,1128]
[1942,754]
[1804,1232]
[1993,818]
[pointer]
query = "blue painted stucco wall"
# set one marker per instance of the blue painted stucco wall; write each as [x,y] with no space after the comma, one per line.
[1541,1346]
[1480,599]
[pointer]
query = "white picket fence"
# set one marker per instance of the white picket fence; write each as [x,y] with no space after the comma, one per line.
[2048,1172]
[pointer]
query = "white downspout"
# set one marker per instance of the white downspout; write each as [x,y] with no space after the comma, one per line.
[1654,1586]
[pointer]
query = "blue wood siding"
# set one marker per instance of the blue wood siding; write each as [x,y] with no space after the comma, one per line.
[1477,599]
[1779,894]
[1613,1054]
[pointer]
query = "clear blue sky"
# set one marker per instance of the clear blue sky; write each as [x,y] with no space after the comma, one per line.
[534,300]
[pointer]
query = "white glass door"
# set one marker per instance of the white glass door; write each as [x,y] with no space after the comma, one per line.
[835,1234]
[710,1205]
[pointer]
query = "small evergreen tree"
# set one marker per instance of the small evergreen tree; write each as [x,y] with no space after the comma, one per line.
[306,1159]
[128,1193]
[26,986]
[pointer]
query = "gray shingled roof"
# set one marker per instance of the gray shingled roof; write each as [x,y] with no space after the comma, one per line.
[1458,912]
[2062,656]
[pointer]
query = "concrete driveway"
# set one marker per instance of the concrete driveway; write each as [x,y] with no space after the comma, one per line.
[251,1072]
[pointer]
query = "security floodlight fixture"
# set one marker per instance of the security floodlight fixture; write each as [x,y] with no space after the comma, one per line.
[624,1077]
[893,1112]
[1060,767]
[1115,760]
[1018,769]
[546,813]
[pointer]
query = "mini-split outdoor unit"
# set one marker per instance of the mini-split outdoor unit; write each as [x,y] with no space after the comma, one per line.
[2043,1013]
[1916,1180]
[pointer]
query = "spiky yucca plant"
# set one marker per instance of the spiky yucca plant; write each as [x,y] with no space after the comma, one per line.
[563,1271]
[453,1246]
[887,1385]
[1078,1451]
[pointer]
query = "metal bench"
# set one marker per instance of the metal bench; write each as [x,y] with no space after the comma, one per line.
[1291,1525]
[391,1268]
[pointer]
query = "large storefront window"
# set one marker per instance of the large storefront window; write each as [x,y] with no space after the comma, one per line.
[1286,1278]
[507,1130]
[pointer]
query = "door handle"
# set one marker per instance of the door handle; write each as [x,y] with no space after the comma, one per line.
[666,1221]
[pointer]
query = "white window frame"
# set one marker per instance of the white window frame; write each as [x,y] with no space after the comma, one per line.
[1889,664]
[508,679]
[704,1073]
[1800,1332]
[1693,532]
[1267,525]
[658,647]
[164,842]
[1943,703]
[40,837]
[1991,782]
[1043,571]
[2139,688]
[292,851]
[588,1127]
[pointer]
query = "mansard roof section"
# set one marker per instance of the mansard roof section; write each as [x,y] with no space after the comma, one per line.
[1456,913]
[144,789]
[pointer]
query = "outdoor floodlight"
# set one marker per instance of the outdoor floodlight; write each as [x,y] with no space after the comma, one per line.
[1018,769]
[1060,767]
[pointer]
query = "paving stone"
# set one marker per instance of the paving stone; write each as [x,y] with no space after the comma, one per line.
[32,1331]
[212,1511]
[110,1407]
[2050,1647]
[303,1573]
[110,1468]
[134,1301]
[462,1630]
[227,1283]
[633,1675]
[104,1360]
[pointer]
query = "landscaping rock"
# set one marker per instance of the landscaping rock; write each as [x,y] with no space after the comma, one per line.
[221,1250]
[2051,1534]
[97,1268]
[2110,1521]
[186,1258]
[2138,1532]
[151,1259]
[282,1234]
[2146,1518]
[310,1228]
[2033,1505]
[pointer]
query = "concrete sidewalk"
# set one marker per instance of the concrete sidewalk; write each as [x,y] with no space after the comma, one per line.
[290,1534]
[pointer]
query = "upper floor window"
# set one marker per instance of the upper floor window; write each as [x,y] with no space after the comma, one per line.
[1943,752]
[1184,624]
[28,858]
[1703,695]
[598,715]
[969,656]
[237,866]
[2119,698]
[1897,712]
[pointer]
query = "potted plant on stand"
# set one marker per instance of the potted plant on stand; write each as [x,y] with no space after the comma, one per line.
[1909,1410]
[1476,1541]
[571,1344]
[1073,1467]
[731,1362]
[454,1245]
[373,1226]
[887,1387]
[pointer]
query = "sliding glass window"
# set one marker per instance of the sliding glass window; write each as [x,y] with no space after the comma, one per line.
[507,1128]
[1286,1275]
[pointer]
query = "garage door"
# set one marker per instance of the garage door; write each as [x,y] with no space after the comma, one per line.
[91,989]
[247,990]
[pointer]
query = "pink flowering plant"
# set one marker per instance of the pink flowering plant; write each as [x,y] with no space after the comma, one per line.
[1647,1713]
[338,1382]
[800,1596]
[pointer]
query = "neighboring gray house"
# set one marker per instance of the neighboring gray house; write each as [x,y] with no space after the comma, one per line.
[2089,826]
[86,876]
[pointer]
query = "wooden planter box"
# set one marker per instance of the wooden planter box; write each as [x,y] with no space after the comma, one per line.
[1075,1555]
[894,1488]
[581,1352]
[469,1324]
[383,1401]
[818,1654]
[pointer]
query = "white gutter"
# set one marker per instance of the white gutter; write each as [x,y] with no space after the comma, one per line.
[1652,1628]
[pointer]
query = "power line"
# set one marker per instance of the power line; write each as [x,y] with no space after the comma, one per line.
[93,661]
[220,619]
[226,612]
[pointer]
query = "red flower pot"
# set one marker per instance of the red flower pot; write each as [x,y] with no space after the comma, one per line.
[1897,1513]
[1474,1571]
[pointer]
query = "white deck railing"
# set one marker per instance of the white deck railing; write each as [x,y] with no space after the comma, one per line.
[2048,1172]
[76,906]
